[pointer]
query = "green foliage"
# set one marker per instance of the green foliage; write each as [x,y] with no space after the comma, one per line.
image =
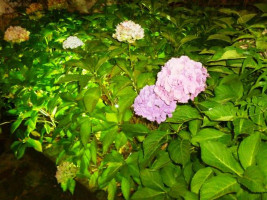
[77,103]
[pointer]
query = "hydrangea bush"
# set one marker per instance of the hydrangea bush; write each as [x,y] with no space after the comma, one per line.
[168,113]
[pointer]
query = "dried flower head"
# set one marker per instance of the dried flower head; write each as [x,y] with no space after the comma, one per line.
[34,7]
[16,34]
[148,105]
[128,31]
[72,42]
[181,79]
[57,4]
[65,171]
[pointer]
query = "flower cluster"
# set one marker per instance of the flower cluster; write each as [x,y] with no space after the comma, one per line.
[65,171]
[72,42]
[57,4]
[16,34]
[181,79]
[34,7]
[150,106]
[128,31]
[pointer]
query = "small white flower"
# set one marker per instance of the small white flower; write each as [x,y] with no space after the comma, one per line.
[128,31]
[116,106]
[72,42]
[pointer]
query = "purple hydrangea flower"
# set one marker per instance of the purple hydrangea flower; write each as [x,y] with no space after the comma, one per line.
[148,105]
[181,79]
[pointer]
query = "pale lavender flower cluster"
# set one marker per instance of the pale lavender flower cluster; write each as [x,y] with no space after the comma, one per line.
[72,42]
[65,171]
[150,106]
[128,31]
[180,80]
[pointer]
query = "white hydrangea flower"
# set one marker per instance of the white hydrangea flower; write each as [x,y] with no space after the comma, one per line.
[72,42]
[65,171]
[128,31]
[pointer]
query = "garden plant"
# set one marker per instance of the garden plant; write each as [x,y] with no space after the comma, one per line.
[144,99]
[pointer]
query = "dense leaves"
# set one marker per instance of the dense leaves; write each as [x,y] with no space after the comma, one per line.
[76,104]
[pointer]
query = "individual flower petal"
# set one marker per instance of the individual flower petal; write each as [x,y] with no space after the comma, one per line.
[128,31]
[181,79]
[16,34]
[148,105]
[72,42]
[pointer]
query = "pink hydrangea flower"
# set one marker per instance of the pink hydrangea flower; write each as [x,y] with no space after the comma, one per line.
[148,105]
[181,79]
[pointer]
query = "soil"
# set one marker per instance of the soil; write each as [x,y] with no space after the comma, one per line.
[32,177]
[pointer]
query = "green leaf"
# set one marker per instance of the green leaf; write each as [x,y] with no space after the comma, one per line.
[112,189]
[187,38]
[161,161]
[93,150]
[179,151]
[71,185]
[228,54]
[36,144]
[243,126]
[262,159]
[151,145]
[152,179]
[148,194]
[133,130]
[15,125]
[109,137]
[261,43]
[91,98]
[245,18]
[179,189]
[109,173]
[184,113]
[228,11]
[207,134]
[220,37]
[217,155]
[85,131]
[225,112]
[169,174]
[218,186]
[261,6]
[199,178]
[248,150]
[126,187]
[253,179]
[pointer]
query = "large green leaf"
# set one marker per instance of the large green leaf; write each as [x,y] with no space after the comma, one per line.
[220,37]
[218,186]
[208,134]
[112,189]
[226,112]
[218,155]
[262,159]
[148,194]
[179,151]
[133,130]
[248,150]
[85,131]
[151,145]
[36,144]
[253,179]
[91,98]
[199,178]
[184,113]
[245,18]
[109,173]
[169,174]
[126,187]
[152,179]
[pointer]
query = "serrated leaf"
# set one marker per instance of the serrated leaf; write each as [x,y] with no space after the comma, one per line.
[225,112]
[148,194]
[152,179]
[220,37]
[91,98]
[133,130]
[126,187]
[248,150]
[199,178]
[207,134]
[85,131]
[245,18]
[179,151]
[253,179]
[218,155]
[218,186]
[152,144]
[184,113]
